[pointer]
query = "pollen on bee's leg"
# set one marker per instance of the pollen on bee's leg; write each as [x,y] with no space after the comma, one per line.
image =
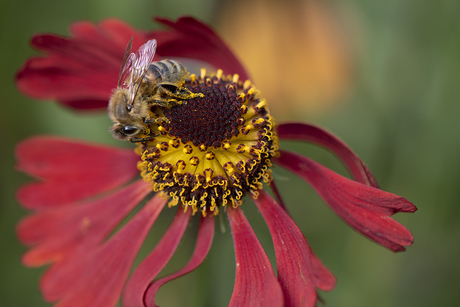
[212,149]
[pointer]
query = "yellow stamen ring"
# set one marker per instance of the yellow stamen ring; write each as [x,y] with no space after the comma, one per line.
[211,150]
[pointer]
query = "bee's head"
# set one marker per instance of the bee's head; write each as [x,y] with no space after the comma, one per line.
[117,108]
[124,127]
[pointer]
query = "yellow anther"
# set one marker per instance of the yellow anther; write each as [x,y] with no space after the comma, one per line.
[242,148]
[202,73]
[235,79]
[251,91]
[193,77]
[194,161]
[219,74]
[188,149]
[261,104]
[246,84]
[210,155]
[181,166]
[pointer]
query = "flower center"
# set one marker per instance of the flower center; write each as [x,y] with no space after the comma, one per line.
[211,149]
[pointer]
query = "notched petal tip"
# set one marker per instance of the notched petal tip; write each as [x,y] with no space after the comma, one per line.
[403,205]
[47,41]
[365,208]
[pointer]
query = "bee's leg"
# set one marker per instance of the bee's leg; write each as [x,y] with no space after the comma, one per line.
[168,102]
[167,98]
[185,94]
[173,102]
[156,120]
[146,139]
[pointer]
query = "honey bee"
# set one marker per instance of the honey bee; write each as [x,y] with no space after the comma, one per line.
[143,84]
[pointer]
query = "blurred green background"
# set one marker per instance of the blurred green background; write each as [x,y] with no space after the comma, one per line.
[395,101]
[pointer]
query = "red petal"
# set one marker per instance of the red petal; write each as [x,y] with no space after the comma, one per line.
[70,170]
[155,261]
[190,38]
[95,277]
[364,208]
[83,68]
[81,71]
[299,270]
[255,281]
[319,136]
[110,32]
[58,232]
[202,247]
[278,195]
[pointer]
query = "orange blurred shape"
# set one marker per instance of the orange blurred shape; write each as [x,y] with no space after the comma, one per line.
[296,52]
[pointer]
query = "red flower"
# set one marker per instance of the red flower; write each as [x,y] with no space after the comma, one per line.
[86,190]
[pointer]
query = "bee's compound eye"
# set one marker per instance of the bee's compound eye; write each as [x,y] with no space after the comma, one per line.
[129,130]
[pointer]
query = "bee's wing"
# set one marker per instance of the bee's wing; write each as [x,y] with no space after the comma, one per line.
[145,54]
[126,65]
[140,64]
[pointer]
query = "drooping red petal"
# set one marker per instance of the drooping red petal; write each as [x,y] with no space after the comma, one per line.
[83,68]
[189,38]
[255,281]
[319,136]
[96,276]
[152,265]
[58,232]
[364,208]
[202,247]
[299,270]
[278,195]
[70,170]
